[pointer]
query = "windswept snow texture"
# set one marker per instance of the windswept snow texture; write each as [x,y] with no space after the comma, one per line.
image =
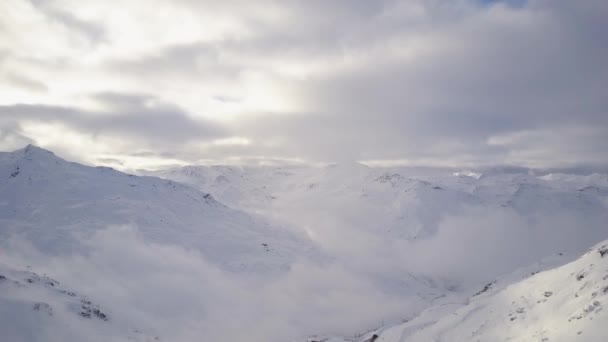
[276,254]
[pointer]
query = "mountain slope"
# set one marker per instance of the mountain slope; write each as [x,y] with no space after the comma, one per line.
[405,203]
[453,231]
[38,308]
[53,203]
[562,304]
[170,259]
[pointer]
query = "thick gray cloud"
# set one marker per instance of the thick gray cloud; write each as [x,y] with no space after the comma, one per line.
[166,125]
[457,82]
[137,122]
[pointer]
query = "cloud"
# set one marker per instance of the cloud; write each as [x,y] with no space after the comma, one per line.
[24,82]
[176,293]
[426,82]
[11,137]
[165,124]
[479,244]
[128,124]
[559,145]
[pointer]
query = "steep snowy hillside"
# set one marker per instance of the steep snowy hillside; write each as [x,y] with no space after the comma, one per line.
[53,203]
[563,304]
[38,308]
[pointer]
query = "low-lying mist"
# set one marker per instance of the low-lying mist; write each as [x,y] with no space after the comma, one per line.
[367,279]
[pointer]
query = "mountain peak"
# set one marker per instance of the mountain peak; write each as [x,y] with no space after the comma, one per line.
[33,151]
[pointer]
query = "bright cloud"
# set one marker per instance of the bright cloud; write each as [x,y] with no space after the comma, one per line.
[436,82]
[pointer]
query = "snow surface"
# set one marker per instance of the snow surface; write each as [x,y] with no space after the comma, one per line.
[512,218]
[38,308]
[53,203]
[227,253]
[566,303]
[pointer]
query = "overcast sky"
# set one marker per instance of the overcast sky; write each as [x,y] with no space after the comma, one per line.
[437,82]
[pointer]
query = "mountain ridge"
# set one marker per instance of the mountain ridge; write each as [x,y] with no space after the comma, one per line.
[47,190]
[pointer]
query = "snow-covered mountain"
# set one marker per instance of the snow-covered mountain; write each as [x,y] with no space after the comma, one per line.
[269,254]
[36,307]
[401,203]
[449,229]
[53,203]
[566,303]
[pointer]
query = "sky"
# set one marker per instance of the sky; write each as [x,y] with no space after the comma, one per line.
[461,83]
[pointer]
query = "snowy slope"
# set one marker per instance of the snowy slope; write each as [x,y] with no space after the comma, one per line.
[401,202]
[440,235]
[562,304]
[38,308]
[413,204]
[54,203]
[295,251]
